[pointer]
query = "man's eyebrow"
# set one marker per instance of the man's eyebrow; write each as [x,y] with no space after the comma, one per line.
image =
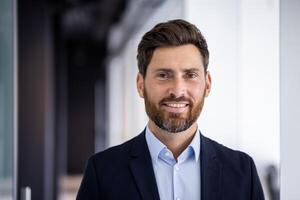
[193,69]
[163,70]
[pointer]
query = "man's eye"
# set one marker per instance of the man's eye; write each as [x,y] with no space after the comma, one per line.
[191,75]
[162,75]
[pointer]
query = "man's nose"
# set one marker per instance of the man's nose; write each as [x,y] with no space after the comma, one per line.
[177,87]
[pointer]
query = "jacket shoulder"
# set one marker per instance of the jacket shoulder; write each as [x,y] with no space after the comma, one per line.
[238,171]
[229,156]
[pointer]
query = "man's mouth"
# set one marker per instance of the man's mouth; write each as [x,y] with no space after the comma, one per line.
[176,107]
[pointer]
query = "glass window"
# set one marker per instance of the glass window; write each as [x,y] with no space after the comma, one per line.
[6,99]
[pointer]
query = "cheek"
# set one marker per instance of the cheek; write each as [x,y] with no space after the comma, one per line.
[155,93]
[197,91]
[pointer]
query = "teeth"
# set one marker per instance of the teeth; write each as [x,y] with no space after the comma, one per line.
[176,105]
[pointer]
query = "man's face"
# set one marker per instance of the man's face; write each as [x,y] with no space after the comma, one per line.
[175,87]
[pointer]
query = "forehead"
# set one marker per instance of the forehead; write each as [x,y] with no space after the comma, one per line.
[178,57]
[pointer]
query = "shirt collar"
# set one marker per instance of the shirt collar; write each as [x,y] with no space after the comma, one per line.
[156,146]
[195,144]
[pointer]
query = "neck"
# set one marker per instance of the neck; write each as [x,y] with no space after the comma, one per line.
[175,142]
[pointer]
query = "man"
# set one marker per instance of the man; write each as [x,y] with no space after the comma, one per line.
[171,159]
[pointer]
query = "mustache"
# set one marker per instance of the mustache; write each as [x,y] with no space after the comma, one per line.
[175,99]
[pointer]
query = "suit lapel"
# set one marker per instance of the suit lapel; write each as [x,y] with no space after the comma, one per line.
[142,169]
[211,171]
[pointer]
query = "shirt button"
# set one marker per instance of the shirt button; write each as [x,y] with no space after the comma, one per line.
[167,154]
[177,198]
[177,168]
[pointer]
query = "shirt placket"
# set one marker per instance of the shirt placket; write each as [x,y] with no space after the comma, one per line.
[176,182]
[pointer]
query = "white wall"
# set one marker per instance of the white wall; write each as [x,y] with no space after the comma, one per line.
[259,79]
[289,99]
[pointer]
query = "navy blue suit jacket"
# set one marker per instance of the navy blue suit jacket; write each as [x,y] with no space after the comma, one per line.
[125,172]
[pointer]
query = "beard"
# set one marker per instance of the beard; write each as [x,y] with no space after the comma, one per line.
[170,121]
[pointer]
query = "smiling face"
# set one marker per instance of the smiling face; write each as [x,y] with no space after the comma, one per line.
[175,87]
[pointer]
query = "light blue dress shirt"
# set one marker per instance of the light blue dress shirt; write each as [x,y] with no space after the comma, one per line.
[176,180]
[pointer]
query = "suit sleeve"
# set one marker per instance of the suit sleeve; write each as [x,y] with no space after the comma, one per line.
[257,191]
[89,185]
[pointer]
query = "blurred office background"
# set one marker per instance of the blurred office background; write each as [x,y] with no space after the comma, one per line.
[67,86]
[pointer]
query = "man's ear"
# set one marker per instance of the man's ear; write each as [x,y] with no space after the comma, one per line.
[208,83]
[140,84]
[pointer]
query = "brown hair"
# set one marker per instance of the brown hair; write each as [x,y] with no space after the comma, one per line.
[172,33]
